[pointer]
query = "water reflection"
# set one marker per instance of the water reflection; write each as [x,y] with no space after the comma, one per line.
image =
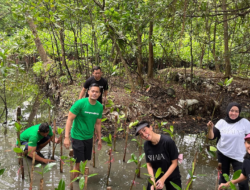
[121,173]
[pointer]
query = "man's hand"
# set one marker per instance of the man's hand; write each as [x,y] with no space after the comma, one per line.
[46,161]
[152,187]
[57,140]
[99,144]
[66,142]
[160,183]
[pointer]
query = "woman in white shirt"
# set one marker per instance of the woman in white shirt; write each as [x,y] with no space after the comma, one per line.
[230,133]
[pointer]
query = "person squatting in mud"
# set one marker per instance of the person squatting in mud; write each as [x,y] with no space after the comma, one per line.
[230,133]
[85,115]
[160,152]
[35,138]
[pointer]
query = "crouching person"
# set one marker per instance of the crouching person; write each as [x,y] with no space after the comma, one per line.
[35,138]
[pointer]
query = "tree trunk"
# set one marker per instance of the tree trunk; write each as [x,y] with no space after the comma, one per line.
[151,51]
[95,38]
[131,82]
[226,50]
[38,42]
[33,111]
[63,53]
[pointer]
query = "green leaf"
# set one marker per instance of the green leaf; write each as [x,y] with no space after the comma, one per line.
[150,181]
[212,148]
[110,138]
[75,179]
[106,139]
[111,110]
[135,140]
[172,128]
[17,150]
[158,173]
[137,171]
[64,157]
[75,171]
[229,81]
[2,171]
[212,154]
[130,160]
[175,186]
[82,166]
[168,131]
[81,183]
[144,166]
[236,174]
[39,172]
[132,124]
[91,175]
[133,156]
[103,119]
[232,186]
[38,165]
[48,167]
[61,185]
[226,177]
[60,130]
[144,188]
[141,156]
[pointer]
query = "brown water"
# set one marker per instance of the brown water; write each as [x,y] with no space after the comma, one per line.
[121,173]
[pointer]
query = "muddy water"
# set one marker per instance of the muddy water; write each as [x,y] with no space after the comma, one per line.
[121,173]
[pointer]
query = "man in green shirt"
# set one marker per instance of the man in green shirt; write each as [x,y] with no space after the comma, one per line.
[85,115]
[35,138]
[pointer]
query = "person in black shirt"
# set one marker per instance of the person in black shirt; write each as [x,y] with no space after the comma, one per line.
[245,174]
[161,152]
[96,78]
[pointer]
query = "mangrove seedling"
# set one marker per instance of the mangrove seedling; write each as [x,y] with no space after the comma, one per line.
[61,185]
[108,140]
[82,171]
[157,174]
[138,164]
[170,131]
[45,169]
[117,122]
[236,175]
[127,133]
[1,171]
[60,132]
[140,145]
[161,124]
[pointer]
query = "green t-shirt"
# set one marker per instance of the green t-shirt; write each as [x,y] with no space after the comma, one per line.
[32,136]
[86,116]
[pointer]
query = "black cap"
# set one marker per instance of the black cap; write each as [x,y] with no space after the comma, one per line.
[140,126]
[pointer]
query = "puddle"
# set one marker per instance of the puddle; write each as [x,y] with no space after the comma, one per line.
[121,174]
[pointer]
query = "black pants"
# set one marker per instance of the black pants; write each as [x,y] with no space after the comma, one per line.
[225,164]
[168,184]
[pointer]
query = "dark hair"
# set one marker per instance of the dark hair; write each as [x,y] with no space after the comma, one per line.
[44,127]
[94,85]
[96,68]
[247,156]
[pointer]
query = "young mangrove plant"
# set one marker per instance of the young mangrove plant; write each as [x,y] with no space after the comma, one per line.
[157,174]
[18,150]
[160,125]
[61,185]
[126,140]
[1,171]
[108,140]
[138,164]
[236,175]
[60,132]
[117,129]
[44,170]
[140,145]
[82,178]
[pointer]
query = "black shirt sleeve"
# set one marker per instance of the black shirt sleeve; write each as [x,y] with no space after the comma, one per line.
[87,83]
[216,134]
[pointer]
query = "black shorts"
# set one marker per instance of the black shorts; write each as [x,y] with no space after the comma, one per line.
[82,149]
